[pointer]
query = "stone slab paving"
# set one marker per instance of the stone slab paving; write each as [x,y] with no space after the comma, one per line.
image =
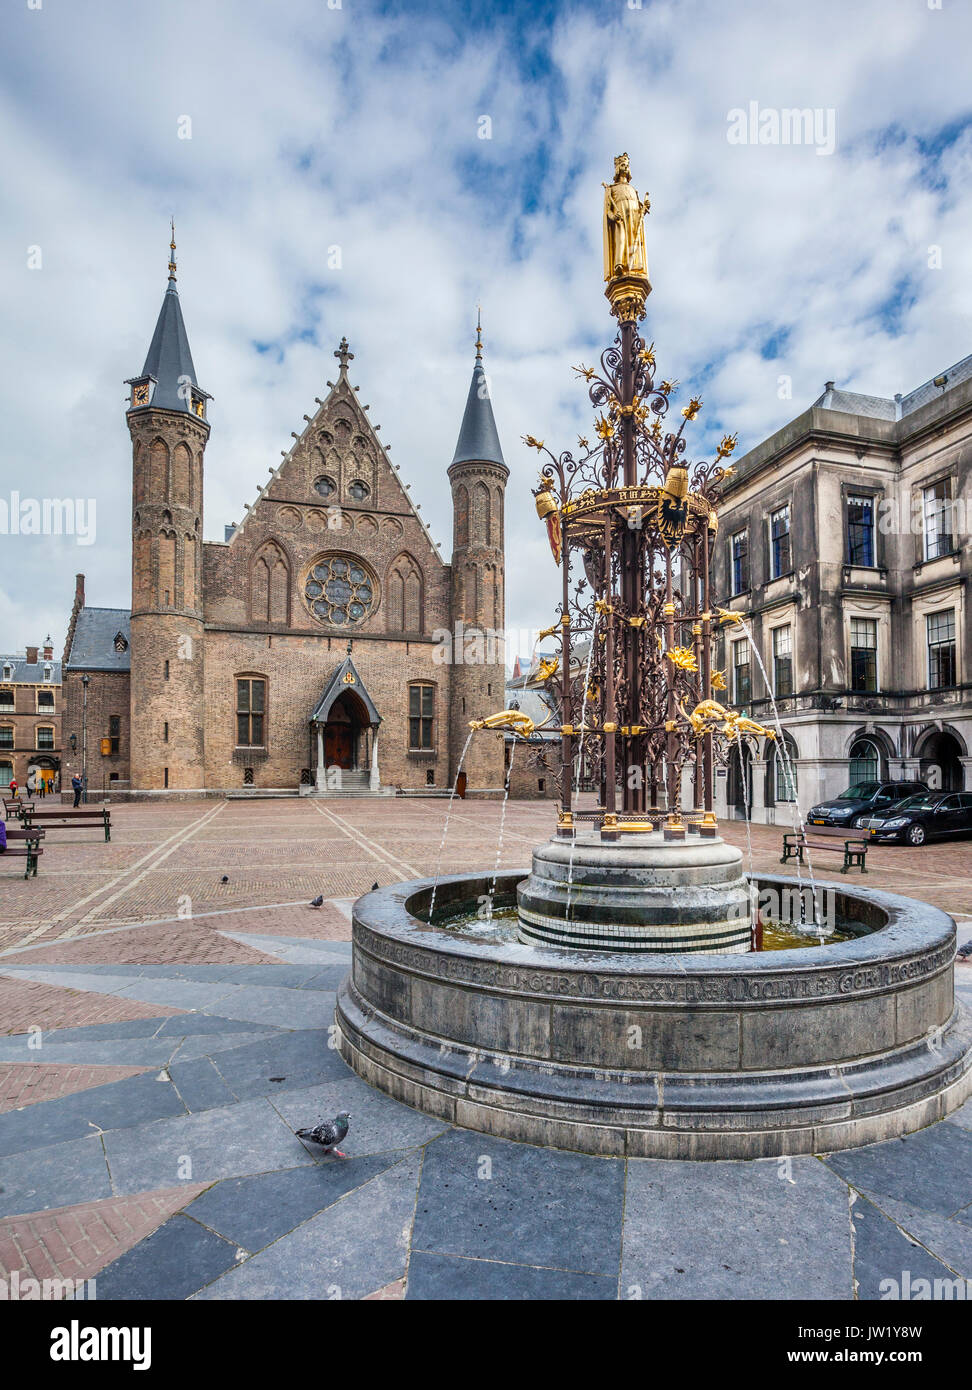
[203,1043]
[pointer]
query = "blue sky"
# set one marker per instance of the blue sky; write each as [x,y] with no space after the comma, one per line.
[313,126]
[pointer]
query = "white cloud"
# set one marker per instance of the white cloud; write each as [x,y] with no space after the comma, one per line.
[313,127]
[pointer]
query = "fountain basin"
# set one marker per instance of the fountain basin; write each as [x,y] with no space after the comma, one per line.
[660,1055]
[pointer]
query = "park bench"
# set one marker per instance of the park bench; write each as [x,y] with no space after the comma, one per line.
[94,817]
[14,806]
[31,849]
[795,843]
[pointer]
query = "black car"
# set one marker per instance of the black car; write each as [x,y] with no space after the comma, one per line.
[926,817]
[863,799]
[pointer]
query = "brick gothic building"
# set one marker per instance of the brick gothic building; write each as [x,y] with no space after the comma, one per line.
[309,639]
[30,716]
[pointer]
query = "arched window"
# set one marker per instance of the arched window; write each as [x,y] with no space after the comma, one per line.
[6,736]
[865,761]
[251,712]
[462,515]
[405,606]
[6,774]
[270,585]
[45,738]
[181,468]
[783,770]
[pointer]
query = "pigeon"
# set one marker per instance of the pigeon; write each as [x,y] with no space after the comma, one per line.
[374,886]
[318,901]
[225,878]
[965,951]
[328,1133]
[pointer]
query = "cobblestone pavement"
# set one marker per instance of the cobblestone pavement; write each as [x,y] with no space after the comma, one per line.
[164,1034]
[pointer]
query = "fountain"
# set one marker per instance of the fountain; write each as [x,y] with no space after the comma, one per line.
[612,1000]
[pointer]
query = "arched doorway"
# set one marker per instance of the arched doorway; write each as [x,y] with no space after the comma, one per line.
[739,786]
[940,764]
[342,732]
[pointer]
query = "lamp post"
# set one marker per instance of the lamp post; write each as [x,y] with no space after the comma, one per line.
[85,680]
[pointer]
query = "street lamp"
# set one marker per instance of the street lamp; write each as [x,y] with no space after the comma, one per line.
[85,680]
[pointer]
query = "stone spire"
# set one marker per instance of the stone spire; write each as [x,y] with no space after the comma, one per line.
[478,439]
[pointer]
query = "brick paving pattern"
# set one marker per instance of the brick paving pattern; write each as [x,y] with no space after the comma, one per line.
[26,1083]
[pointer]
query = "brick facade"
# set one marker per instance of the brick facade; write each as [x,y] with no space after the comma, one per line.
[31,704]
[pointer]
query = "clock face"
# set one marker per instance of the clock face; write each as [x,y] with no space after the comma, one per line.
[140,394]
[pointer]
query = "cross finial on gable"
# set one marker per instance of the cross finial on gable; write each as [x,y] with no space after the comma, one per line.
[343,355]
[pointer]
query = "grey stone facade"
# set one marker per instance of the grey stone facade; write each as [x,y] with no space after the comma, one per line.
[844,539]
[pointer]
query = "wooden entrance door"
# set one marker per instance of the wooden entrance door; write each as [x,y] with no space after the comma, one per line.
[339,746]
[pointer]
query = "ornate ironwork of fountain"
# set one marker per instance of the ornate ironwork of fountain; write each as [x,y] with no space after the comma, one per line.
[628,1012]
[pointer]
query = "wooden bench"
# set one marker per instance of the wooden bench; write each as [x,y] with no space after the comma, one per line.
[795,843]
[14,806]
[31,849]
[98,817]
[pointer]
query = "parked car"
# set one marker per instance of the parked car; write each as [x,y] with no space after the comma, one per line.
[926,817]
[863,798]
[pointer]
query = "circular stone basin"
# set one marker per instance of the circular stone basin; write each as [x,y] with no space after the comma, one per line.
[662,1055]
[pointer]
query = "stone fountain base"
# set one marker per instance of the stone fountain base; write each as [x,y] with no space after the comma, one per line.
[647,894]
[669,1056]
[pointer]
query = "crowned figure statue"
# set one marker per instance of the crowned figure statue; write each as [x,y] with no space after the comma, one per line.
[624,225]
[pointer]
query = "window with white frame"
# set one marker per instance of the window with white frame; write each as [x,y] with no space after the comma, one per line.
[863,654]
[940,630]
[783,660]
[742,685]
[780,559]
[937,514]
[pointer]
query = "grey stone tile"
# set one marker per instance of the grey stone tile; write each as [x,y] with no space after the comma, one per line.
[297,950]
[962,1116]
[93,1032]
[295,1059]
[120,1052]
[735,1231]
[283,975]
[353,1248]
[287,1008]
[230,1142]
[931,1170]
[252,1212]
[200,1085]
[949,1241]
[212,1044]
[448,1277]
[882,1254]
[58,1176]
[378,1123]
[331,977]
[89,981]
[130,1101]
[180,994]
[172,1263]
[493,1199]
[187,1025]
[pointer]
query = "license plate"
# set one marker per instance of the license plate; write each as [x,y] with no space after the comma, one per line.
[816,822]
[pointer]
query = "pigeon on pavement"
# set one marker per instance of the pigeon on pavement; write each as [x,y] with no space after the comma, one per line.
[374,886]
[328,1133]
[318,901]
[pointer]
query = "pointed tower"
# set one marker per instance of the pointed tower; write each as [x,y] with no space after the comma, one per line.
[478,476]
[167,422]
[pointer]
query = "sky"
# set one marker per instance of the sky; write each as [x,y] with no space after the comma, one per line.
[276,132]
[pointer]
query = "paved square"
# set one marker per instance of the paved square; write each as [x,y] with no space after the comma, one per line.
[163,1034]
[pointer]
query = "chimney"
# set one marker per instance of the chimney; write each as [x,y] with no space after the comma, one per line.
[48,648]
[79,590]
[31,656]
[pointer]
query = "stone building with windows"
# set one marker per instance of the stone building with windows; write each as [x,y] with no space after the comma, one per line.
[30,717]
[844,539]
[323,645]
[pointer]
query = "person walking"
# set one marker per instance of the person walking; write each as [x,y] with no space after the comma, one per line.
[41,786]
[78,787]
[31,783]
[14,789]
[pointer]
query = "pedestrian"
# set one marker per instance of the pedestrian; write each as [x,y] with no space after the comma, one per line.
[31,783]
[14,789]
[78,787]
[41,786]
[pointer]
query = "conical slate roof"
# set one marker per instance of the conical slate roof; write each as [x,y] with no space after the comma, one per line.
[169,357]
[478,440]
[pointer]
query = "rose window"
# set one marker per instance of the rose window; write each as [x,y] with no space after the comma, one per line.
[339,590]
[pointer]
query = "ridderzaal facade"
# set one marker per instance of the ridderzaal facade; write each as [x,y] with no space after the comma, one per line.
[305,651]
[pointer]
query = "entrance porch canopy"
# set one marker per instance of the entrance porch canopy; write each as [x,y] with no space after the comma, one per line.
[345,680]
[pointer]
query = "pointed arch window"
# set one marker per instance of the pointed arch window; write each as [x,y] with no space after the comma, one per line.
[405,595]
[270,585]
